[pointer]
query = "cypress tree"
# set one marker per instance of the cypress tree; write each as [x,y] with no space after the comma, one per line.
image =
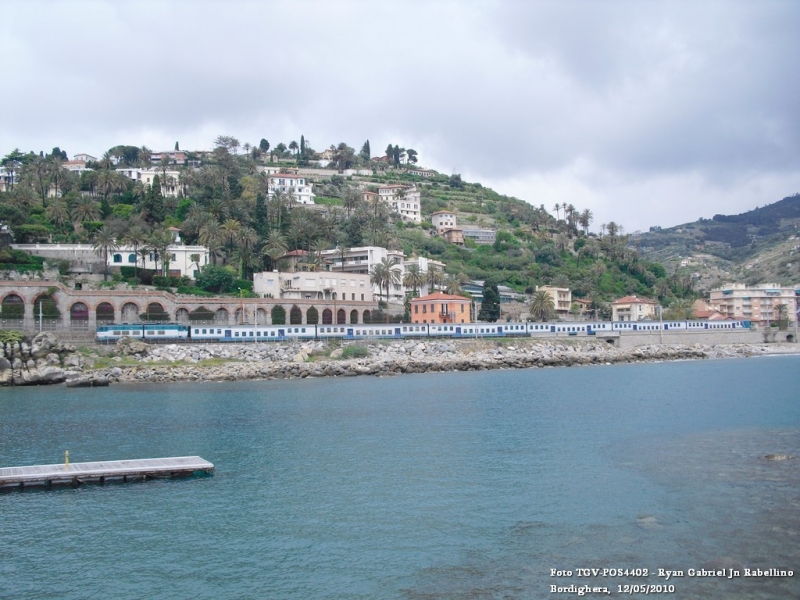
[154,202]
[490,306]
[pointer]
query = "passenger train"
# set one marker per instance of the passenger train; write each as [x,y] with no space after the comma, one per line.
[173,332]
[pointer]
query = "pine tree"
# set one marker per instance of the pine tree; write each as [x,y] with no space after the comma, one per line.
[365,152]
[177,148]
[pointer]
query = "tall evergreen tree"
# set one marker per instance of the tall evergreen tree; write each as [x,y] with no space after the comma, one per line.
[262,225]
[154,202]
[490,307]
[365,152]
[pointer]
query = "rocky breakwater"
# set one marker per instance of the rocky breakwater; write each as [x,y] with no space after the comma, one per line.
[139,362]
[42,360]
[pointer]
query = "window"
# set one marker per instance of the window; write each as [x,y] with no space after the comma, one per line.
[118,258]
[132,258]
[172,257]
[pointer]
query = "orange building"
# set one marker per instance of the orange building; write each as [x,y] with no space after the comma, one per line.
[439,307]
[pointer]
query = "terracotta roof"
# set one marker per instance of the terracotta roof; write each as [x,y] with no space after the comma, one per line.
[439,296]
[296,253]
[633,300]
[444,212]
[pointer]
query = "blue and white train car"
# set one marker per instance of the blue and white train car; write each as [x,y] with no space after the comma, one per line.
[114,332]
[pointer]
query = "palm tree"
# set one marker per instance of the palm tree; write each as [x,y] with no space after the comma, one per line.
[212,237]
[557,208]
[57,171]
[58,212]
[385,274]
[104,242]
[433,278]
[453,285]
[274,246]
[86,210]
[136,237]
[414,278]
[160,240]
[586,219]
[230,229]
[541,307]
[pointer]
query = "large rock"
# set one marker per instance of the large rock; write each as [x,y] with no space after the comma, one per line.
[4,364]
[43,344]
[129,346]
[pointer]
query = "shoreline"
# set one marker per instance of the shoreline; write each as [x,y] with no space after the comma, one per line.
[46,361]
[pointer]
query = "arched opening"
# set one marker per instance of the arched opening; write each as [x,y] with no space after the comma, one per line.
[13,307]
[221,316]
[354,317]
[790,338]
[312,316]
[130,313]
[367,317]
[104,313]
[327,317]
[341,317]
[117,258]
[295,316]
[79,316]
[278,315]
[45,305]
[261,316]
[182,315]
[201,316]
[238,316]
[155,312]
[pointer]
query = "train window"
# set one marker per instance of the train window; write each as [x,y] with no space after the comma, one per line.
[304,329]
[161,332]
[116,333]
[251,334]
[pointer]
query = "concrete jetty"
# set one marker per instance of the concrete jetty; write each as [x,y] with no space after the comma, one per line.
[102,471]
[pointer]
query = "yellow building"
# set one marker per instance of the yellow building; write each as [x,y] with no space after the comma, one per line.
[633,308]
[439,307]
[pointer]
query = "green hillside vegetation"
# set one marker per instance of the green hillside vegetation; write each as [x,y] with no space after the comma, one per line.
[755,246]
[225,207]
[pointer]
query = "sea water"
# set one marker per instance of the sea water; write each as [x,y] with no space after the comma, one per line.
[453,485]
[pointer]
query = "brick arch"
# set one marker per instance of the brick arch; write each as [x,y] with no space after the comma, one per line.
[354,317]
[49,306]
[295,316]
[312,316]
[130,313]
[104,313]
[221,316]
[12,307]
[367,317]
[182,315]
[341,317]
[261,316]
[79,312]
[327,317]
[278,315]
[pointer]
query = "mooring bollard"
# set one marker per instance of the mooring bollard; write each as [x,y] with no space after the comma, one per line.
[66,459]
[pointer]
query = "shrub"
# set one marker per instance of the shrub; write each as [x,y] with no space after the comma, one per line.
[355,352]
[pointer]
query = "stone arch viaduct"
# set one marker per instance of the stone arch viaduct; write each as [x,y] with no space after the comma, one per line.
[27,305]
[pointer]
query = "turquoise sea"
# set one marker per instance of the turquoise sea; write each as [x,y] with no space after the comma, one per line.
[455,485]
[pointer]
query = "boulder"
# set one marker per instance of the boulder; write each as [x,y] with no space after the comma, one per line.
[43,344]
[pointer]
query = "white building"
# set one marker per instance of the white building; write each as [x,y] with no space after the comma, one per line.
[443,220]
[183,261]
[303,285]
[296,185]
[361,260]
[404,200]
[170,180]
[84,157]
[561,297]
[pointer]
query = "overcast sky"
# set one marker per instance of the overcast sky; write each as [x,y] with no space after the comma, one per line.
[648,113]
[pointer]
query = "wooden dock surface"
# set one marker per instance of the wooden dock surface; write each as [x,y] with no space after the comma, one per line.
[77,472]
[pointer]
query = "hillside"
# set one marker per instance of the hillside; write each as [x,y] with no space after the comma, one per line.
[221,202]
[756,246]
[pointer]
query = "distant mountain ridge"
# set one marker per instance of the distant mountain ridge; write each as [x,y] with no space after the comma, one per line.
[760,244]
